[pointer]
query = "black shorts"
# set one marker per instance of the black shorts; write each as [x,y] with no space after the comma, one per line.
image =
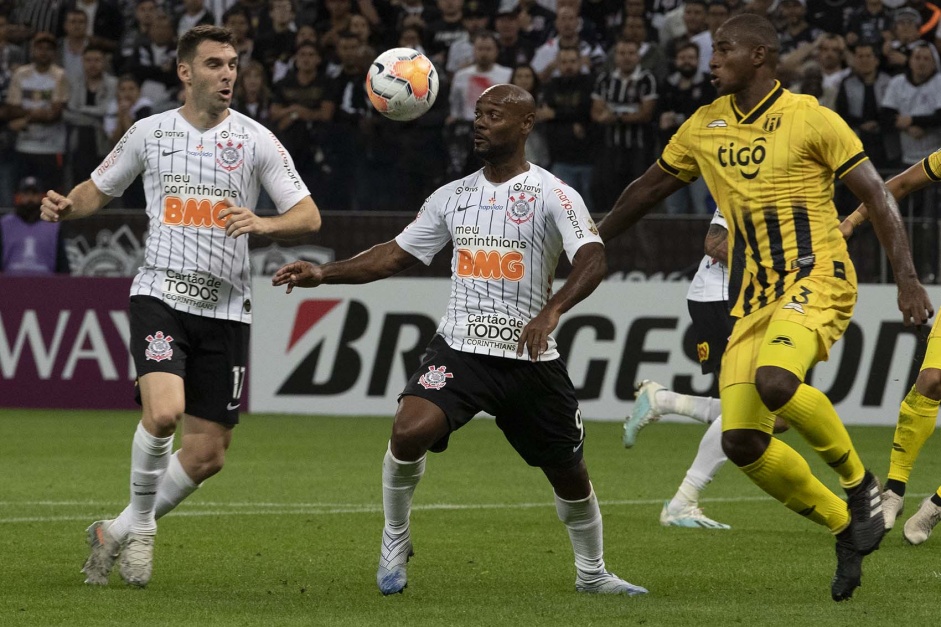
[534,403]
[712,326]
[209,354]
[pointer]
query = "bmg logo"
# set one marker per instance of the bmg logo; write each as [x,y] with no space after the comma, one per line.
[747,158]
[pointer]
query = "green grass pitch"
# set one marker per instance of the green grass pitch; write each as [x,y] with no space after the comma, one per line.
[288,534]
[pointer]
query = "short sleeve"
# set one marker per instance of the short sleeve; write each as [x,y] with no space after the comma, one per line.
[123,164]
[719,219]
[428,233]
[571,217]
[932,165]
[677,157]
[836,144]
[278,174]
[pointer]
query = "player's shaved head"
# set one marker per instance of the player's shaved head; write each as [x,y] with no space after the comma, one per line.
[516,100]
[750,29]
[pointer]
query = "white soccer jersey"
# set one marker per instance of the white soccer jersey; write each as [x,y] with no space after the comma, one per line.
[507,241]
[189,174]
[711,282]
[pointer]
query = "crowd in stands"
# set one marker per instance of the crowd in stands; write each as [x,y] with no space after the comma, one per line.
[613,79]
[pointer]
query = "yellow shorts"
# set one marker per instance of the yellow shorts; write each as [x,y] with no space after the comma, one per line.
[794,332]
[933,353]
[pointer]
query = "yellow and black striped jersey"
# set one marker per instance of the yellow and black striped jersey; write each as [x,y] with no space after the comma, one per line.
[932,165]
[771,171]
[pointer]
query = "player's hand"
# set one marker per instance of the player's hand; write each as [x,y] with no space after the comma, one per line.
[54,207]
[241,220]
[298,274]
[914,303]
[535,335]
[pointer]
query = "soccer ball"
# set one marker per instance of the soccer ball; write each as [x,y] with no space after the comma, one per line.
[402,84]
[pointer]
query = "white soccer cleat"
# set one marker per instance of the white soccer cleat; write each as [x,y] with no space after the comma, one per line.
[918,528]
[689,516]
[892,507]
[137,559]
[103,553]
[606,583]
[394,555]
[644,412]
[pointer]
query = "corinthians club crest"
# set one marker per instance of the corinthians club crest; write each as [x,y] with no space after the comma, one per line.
[159,347]
[229,156]
[521,209]
[435,378]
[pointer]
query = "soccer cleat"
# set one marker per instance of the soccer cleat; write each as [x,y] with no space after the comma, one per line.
[395,553]
[103,553]
[605,583]
[918,528]
[892,507]
[137,559]
[690,516]
[867,523]
[849,567]
[644,412]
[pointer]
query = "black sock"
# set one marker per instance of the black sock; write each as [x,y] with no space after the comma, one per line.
[936,499]
[896,486]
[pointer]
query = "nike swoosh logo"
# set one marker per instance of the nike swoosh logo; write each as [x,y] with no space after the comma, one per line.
[575,450]
[464,208]
[141,485]
[167,153]
[233,406]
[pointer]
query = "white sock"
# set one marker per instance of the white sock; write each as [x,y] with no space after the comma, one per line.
[583,521]
[174,487]
[150,456]
[702,408]
[708,461]
[399,480]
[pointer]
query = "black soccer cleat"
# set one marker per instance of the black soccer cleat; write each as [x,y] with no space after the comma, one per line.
[849,567]
[867,524]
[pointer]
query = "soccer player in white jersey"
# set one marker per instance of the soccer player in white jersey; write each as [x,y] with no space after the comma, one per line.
[493,351]
[203,165]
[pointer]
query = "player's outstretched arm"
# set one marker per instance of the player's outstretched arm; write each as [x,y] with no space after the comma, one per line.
[900,185]
[379,262]
[301,219]
[588,269]
[637,199]
[84,200]
[913,300]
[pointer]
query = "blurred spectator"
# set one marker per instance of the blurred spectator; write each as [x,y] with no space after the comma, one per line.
[28,245]
[461,53]
[239,22]
[276,44]
[73,44]
[195,13]
[361,27]
[912,105]
[11,57]
[652,56]
[566,24]
[105,23]
[336,19]
[514,50]
[869,24]
[858,102]
[411,37]
[466,87]
[830,16]
[257,11]
[598,13]
[38,92]
[905,39]
[796,31]
[827,54]
[535,20]
[444,30]
[695,29]
[930,16]
[566,112]
[30,17]
[537,146]
[154,64]
[305,35]
[303,103]
[252,95]
[623,102]
[684,91]
[587,29]
[717,12]
[91,96]
[139,34]
[130,107]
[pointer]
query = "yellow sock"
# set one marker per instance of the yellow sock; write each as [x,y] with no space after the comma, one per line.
[917,416]
[785,475]
[812,414]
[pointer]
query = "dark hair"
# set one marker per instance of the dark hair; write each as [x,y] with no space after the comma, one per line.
[129,77]
[186,48]
[574,48]
[346,33]
[95,48]
[685,45]
[487,34]
[76,10]
[537,84]
[238,9]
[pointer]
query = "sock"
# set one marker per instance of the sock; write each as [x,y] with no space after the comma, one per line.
[582,519]
[174,487]
[896,486]
[399,480]
[917,416]
[785,475]
[150,456]
[936,498]
[811,413]
[707,463]
[702,408]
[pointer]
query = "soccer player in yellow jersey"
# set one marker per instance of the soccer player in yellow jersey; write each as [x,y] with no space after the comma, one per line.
[769,157]
[919,410]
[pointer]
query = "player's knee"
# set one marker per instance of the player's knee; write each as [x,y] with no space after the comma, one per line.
[775,386]
[411,438]
[161,420]
[744,446]
[928,383]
